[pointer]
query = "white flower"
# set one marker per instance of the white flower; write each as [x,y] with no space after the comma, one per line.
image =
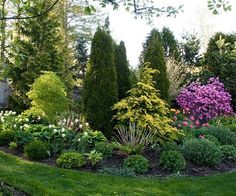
[63,130]
[27,120]
[21,127]
[79,139]
[50,126]
[20,120]
[38,118]
[76,120]
[14,126]
[26,126]
[80,126]
[86,133]
[2,119]
[64,120]
[86,124]
[63,135]
[54,131]
[13,113]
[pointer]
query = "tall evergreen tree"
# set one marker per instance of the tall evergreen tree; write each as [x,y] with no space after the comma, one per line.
[153,53]
[122,69]
[170,44]
[100,88]
[34,51]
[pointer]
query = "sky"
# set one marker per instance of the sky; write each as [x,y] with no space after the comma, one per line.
[196,18]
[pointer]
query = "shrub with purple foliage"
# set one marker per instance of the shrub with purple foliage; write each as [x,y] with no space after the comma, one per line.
[205,101]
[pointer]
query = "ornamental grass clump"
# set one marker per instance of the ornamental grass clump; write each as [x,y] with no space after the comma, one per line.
[205,101]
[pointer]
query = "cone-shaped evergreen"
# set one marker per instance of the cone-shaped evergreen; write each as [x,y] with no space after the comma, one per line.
[122,69]
[100,88]
[153,53]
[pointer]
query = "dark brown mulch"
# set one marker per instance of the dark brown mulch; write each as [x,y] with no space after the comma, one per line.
[117,159]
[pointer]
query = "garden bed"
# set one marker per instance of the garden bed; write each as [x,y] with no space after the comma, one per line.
[116,162]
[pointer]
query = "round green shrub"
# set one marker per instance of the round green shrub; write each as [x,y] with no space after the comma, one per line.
[229,152]
[232,127]
[172,161]
[223,134]
[202,152]
[104,148]
[138,163]
[6,136]
[212,139]
[36,150]
[71,160]
[169,145]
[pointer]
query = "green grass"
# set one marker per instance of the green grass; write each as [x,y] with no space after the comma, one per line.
[38,179]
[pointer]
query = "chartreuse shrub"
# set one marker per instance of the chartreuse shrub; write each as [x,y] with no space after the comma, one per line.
[229,152]
[226,121]
[36,150]
[144,108]
[202,152]
[71,160]
[138,163]
[205,101]
[48,96]
[172,160]
[6,136]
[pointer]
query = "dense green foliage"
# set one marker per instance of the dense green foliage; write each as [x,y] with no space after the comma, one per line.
[144,108]
[170,44]
[138,163]
[48,96]
[153,53]
[34,49]
[100,88]
[36,150]
[229,152]
[6,136]
[105,148]
[220,59]
[202,152]
[172,161]
[122,69]
[71,160]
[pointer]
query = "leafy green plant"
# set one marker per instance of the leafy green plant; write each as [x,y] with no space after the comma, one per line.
[118,171]
[105,148]
[94,157]
[202,152]
[48,96]
[37,150]
[145,109]
[229,152]
[172,161]
[13,146]
[169,145]
[70,120]
[71,160]
[212,139]
[134,138]
[138,163]
[6,136]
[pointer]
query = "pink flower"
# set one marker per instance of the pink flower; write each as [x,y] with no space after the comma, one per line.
[207,125]
[201,136]
[191,126]
[179,125]
[192,118]
[185,123]
[197,122]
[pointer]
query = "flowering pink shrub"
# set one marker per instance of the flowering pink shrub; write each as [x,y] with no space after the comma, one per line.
[205,102]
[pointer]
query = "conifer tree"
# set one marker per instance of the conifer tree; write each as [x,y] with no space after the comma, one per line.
[153,53]
[122,69]
[100,89]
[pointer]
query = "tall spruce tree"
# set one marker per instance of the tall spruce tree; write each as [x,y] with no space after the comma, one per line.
[34,50]
[122,69]
[170,44]
[100,87]
[153,53]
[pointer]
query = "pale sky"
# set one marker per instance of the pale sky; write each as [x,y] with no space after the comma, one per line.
[196,18]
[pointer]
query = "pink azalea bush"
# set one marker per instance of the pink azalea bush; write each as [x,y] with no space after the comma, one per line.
[204,102]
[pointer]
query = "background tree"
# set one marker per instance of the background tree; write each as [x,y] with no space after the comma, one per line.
[36,49]
[100,88]
[170,44]
[153,53]
[122,69]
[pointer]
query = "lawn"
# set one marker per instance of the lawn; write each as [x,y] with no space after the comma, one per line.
[38,179]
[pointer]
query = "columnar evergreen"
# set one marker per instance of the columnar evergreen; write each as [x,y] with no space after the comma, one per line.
[100,88]
[153,53]
[122,69]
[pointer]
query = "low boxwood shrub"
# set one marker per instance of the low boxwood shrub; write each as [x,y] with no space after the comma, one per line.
[71,160]
[6,136]
[105,148]
[172,160]
[229,152]
[36,150]
[118,171]
[202,152]
[138,163]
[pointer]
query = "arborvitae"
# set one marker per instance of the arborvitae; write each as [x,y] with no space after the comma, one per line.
[153,53]
[100,87]
[170,44]
[122,69]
